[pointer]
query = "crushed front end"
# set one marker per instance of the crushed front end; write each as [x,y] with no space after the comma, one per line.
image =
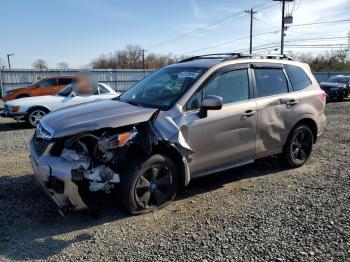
[66,168]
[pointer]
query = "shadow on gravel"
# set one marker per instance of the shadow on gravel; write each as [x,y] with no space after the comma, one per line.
[261,167]
[14,126]
[31,228]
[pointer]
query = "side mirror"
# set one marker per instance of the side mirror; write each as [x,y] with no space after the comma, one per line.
[210,102]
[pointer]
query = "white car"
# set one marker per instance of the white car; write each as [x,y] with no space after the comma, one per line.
[32,109]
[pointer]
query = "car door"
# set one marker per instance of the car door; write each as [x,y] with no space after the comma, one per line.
[225,137]
[45,87]
[277,107]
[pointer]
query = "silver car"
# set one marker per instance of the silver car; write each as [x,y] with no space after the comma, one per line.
[194,118]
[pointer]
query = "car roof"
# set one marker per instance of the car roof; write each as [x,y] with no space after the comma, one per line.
[67,76]
[210,60]
[202,63]
[340,76]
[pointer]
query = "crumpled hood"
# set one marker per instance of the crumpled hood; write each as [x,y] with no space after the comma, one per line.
[93,116]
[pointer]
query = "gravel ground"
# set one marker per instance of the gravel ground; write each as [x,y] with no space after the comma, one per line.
[258,212]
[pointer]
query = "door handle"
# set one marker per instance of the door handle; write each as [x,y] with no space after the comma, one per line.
[289,102]
[247,114]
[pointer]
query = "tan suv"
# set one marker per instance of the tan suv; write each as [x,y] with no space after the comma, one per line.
[197,117]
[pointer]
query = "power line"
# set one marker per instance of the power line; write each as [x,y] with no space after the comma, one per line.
[228,42]
[319,23]
[216,25]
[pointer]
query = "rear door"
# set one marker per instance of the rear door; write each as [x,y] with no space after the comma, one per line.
[225,137]
[277,107]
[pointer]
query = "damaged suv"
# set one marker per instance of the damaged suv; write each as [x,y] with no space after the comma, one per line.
[197,117]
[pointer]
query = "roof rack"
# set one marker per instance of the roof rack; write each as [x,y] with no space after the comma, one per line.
[231,56]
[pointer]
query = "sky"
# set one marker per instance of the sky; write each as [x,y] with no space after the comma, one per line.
[77,31]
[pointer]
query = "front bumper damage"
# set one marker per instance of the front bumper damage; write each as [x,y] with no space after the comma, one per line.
[54,175]
[57,176]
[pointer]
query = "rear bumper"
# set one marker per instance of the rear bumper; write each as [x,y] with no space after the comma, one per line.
[321,125]
[54,176]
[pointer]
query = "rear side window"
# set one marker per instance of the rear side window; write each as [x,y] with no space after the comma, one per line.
[270,81]
[64,81]
[297,77]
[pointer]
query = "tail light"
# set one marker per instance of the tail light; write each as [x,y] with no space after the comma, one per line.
[322,96]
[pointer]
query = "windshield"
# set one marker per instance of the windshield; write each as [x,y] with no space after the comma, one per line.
[342,80]
[162,88]
[80,89]
[66,90]
[35,83]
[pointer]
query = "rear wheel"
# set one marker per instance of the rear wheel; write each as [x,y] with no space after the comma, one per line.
[34,115]
[147,185]
[298,148]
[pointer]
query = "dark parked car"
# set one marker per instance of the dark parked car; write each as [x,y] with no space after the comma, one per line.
[337,87]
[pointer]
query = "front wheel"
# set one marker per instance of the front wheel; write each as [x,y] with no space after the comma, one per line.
[147,185]
[34,115]
[298,147]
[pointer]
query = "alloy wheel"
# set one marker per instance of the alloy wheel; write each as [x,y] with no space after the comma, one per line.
[154,187]
[301,145]
[35,116]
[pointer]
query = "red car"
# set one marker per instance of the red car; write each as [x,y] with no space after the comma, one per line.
[46,86]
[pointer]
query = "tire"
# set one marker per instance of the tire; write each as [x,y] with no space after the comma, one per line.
[35,114]
[341,96]
[298,147]
[22,96]
[148,184]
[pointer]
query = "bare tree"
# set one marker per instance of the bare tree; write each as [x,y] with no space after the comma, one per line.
[329,61]
[62,65]
[40,64]
[2,64]
[131,57]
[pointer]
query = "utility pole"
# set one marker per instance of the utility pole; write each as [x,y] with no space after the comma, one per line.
[143,59]
[283,27]
[8,59]
[251,12]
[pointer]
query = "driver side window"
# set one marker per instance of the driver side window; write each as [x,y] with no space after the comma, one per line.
[49,83]
[232,86]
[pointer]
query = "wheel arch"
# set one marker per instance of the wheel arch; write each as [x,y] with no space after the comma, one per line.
[181,164]
[37,107]
[311,123]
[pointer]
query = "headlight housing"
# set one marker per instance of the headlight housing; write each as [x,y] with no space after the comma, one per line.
[13,108]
